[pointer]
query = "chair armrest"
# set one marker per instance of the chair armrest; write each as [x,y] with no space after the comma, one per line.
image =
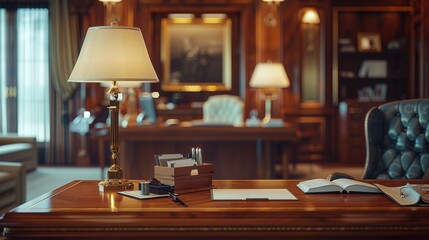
[8,139]
[17,169]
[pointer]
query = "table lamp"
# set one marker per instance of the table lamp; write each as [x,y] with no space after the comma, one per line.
[114,54]
[269,76]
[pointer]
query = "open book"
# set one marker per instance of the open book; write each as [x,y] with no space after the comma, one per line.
[409,194]
[321,185]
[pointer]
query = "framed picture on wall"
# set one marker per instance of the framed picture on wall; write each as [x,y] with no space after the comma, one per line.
[196,55]
[369,42]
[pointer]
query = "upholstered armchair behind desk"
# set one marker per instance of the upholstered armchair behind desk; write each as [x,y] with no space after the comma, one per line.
[397,140]
[224,109]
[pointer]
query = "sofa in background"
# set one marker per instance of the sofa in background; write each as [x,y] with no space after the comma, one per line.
[12,185]
[19,149]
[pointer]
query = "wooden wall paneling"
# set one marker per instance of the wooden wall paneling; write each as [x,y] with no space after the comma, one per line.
[128,12]
[291,55]
[247,53]
[417,35]
[86,13]
[425,53]
[421,48]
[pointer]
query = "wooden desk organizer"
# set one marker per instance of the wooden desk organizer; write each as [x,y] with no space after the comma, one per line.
[186,179]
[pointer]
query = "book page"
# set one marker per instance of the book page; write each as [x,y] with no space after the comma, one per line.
[319,185]
[410,196]
[351,185]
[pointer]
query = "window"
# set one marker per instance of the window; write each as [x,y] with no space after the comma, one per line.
[24,72]
[3,92]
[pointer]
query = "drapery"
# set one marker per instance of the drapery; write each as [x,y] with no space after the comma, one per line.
[63,47]
[64,53]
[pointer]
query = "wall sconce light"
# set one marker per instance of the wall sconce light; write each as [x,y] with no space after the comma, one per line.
[181,17]
[109,1]
[213,17]
[310,16]
[273,1]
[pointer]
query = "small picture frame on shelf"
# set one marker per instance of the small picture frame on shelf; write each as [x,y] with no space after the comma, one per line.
[369,42]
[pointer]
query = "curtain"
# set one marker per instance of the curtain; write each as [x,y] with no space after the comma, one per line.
[63,48]
[64,53]
[3,87]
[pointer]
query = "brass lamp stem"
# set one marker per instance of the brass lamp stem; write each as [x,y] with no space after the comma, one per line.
[267,117]
[115,175]
[269,96]
[115,172]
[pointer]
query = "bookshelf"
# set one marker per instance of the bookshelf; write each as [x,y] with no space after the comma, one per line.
[372,53]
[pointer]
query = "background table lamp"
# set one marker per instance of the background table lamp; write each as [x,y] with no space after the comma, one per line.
[269,76]
[112,54]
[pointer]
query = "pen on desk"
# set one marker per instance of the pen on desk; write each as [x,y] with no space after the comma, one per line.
[193,153]
[177,199]
[199,157]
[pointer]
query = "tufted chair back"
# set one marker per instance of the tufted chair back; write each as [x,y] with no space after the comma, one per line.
[397,140]
[224,109]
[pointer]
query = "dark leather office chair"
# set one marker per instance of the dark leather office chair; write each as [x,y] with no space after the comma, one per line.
[397,140]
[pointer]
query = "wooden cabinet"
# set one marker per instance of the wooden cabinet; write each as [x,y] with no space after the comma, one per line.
[351,130]
[316,140]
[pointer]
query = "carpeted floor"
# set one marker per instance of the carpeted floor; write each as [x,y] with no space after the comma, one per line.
[45,179]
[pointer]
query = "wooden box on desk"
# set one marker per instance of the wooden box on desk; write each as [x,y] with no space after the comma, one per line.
[186,179]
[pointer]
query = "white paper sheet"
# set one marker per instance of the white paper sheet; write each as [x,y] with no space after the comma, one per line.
[252,194]
[137,194]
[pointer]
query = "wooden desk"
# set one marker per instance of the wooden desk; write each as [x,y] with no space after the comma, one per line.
[78,209]
[236,152]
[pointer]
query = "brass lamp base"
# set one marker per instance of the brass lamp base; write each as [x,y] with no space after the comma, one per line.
[115,180]
[272,122]
[115,184]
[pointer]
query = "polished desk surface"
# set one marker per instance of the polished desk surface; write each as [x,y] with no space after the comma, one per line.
[78,209]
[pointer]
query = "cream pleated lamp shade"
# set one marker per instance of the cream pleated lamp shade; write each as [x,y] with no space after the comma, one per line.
[113,53]
[269,75]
